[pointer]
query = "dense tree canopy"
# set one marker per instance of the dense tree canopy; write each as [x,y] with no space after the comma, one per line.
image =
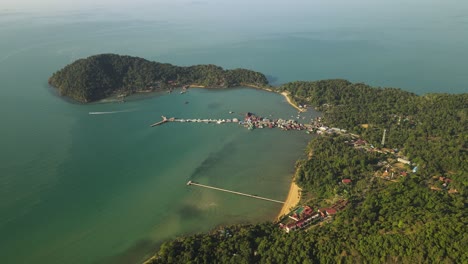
[402,220]
[431,129]
[99,76]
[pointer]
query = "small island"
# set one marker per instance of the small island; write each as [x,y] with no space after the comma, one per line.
[104,75]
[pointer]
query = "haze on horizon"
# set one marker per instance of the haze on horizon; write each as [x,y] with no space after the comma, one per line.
[264,15]
[238,7]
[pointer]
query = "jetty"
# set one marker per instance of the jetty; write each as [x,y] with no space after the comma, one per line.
[233,192]
[251,121]
[160,122]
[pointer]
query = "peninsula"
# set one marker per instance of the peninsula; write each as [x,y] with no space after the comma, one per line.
[385,182]
[100,76]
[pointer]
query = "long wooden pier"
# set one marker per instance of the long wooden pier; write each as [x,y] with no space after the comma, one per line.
[239,193]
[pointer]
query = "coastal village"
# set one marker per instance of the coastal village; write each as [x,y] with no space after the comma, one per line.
[252,121]
[390,167]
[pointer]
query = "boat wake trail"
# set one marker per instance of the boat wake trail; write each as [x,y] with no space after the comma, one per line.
[111,112]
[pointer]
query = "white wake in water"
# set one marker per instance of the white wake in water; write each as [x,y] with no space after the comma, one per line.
[111,112]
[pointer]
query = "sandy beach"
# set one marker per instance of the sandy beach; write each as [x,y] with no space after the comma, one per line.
[196,86]
[292,200]
[286,95]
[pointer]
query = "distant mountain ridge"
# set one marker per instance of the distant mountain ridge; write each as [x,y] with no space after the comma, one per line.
[99,76]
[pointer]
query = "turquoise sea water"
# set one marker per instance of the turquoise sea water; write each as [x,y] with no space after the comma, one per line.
[80,188]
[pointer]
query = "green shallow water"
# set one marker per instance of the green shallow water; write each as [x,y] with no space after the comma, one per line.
[81,188]
[117,183]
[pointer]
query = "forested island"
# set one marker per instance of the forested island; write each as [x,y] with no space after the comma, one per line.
[406,198]
[100,76]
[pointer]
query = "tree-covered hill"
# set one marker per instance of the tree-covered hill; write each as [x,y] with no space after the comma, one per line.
[99,76]
[416,214]
[431,129]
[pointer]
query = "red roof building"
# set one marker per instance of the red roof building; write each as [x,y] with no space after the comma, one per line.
[330,211]
[346,181]
[307,211]
[327,211]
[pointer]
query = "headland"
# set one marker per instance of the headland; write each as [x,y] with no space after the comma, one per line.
[379,187]
[100,76]
[384,183]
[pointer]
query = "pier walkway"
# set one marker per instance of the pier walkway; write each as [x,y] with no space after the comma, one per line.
[251,121]
[238,193]
[160,122]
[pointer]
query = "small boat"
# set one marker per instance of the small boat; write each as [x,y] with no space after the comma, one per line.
[231,112]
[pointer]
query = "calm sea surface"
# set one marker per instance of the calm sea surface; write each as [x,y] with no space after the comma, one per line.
[81,188]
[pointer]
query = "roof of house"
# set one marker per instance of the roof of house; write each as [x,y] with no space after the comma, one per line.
[327,210]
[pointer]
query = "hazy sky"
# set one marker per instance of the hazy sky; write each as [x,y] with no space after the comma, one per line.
[352,13]
[271,5]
